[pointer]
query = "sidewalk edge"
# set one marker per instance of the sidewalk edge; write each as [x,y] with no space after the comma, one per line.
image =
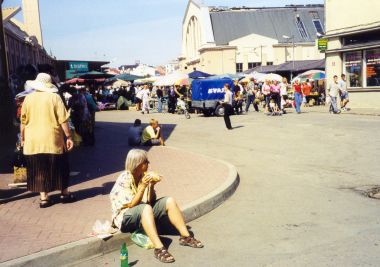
[88,248]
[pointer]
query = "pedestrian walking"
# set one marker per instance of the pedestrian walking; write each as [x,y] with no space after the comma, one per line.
[251,96]
[81,116]
[297,95]
[227,104]
[284,93]
[145,100]
[44,128]
[138,98]
[266,92]
[334,90]
[238,102]
[306,90]
[172,100]
[344,97]
[160,95]
[275,90]
[135,205]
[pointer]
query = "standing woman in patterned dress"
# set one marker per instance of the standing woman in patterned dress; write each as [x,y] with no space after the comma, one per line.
[44,129]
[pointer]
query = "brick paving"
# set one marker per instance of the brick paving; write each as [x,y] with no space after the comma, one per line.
[27,229]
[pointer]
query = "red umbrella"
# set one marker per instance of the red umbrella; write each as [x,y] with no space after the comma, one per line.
[75,80]
[82,81]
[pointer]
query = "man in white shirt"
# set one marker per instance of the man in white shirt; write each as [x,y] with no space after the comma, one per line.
[334,90]
[344,98]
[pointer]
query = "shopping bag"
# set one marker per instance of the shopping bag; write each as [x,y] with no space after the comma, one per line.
[76,138]
[141,239]
[19,166]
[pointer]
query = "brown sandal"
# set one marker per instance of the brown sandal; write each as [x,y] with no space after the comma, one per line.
[190,241]
[163,255]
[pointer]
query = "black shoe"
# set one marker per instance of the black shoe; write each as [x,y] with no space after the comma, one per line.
[45,203]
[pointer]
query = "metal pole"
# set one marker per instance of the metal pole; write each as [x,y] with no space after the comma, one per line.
[291,74]
[261,58]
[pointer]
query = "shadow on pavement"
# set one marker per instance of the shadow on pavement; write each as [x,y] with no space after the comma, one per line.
[106,157]
[109,153]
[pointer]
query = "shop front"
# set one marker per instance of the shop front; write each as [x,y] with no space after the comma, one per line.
[362,69]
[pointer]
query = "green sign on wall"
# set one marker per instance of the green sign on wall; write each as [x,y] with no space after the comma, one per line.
[79,66]
[322,44]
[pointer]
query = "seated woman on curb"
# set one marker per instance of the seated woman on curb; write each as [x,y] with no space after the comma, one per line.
[134,205]
[152,136]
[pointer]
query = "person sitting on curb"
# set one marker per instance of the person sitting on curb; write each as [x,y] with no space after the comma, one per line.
[135,205]
[152,135]
[134,133]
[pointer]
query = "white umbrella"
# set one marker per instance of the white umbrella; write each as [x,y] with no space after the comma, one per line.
[170,79]
[253,75]
[120,83]
[146,80]
[271,77]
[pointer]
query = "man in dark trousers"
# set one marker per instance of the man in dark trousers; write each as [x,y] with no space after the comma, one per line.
[251,95]
[227,104]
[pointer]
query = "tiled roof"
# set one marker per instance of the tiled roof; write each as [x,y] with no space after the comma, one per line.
[270,22]
[299,65]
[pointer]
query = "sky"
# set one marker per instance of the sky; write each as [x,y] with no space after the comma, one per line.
[122,31]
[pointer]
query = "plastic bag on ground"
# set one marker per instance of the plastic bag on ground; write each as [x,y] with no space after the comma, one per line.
[141,239]
[102,230]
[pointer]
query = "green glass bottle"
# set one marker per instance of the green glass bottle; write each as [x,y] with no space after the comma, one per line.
[124,255]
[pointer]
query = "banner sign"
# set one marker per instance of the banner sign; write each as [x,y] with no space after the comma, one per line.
[322,44]
[79,66]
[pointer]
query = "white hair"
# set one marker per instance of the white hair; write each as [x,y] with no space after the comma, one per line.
[135,157]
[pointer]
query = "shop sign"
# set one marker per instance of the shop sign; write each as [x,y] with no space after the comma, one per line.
[322,44]
[353,59]
[79,66]
[373,57]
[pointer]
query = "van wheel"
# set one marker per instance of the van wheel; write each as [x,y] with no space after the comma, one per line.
[219,111]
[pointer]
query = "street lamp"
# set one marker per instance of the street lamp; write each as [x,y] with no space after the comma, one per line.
[292,38]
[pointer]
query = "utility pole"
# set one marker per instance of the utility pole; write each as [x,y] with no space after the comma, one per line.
[7,131]
[293,57]
[261,58]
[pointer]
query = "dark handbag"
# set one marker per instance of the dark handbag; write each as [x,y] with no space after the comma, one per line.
[19,166]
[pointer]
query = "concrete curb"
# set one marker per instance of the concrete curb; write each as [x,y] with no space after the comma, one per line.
[68,254]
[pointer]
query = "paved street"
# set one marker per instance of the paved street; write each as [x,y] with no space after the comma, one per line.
[27,229]
[300,201]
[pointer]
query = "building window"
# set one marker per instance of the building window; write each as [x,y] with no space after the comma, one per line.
[301,28]
[318,26]
[314,14]
[269,63]
[252,65]
[353,63]
[372,59]
[239,67]
[362,38]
